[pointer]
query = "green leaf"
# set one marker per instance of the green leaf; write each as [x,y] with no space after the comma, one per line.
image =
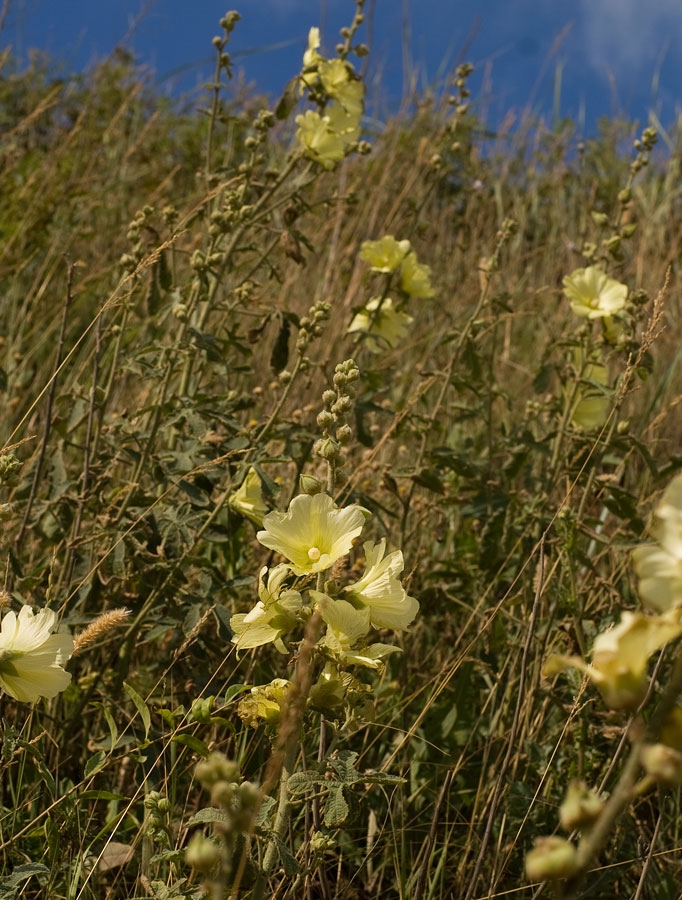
[113,728]
[382,778]
[289,864]
[344,766]
[191,741]
[266,808]
[233,691]
[210,815]
[287,102]
[164,272]
[100,795]
[95,763]
[336,808]
[280,352]
[302,782]
[141,707]
[428,478]
[9,884]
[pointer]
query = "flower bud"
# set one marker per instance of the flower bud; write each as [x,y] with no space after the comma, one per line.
[662,763]
[202,853]
[326,448]
[308,484]
[551,859]
[344,434]
[325,419]
[198,261]
[599,218]
[581,806]
[217,767]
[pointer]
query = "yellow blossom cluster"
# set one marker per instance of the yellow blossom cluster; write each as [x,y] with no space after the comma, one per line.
[313,535]
[621,654]
[326,136]
[381,321]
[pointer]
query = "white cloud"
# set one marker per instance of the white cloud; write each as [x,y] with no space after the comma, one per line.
[622,35]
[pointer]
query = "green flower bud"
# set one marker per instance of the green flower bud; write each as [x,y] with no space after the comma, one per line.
[599,218]
[216,767]
[662,763]
[202,854]
[581,807]
[308,484]
[551,859]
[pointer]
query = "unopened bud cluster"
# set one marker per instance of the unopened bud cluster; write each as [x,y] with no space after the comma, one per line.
[311,326]
[239,799]
[130,261]
[506,231]
[347,33]
[554,858]
[158,809]
[227,23]
[234,212]
[581,807]
[460,99]
[338,405]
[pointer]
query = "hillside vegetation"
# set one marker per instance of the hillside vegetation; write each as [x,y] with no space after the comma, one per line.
[336,449]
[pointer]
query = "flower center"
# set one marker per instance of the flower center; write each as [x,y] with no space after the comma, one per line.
[314,554]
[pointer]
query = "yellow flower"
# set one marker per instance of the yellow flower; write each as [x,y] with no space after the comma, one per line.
[620,656]
[314,532]
[273,616]
[379,590]
[591,404]
[311,57]
[248,499]
[385,328]
[593,294]
[659,566]
[415,279]
[264,704]
[337,80]
[325,139]
[318,140]
[31,657]
[384,255]
[346,627]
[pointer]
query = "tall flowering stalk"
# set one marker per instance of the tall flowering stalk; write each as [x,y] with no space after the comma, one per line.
[619,668]
[338,617]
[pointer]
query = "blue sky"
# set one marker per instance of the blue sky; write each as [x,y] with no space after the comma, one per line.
[614,56]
